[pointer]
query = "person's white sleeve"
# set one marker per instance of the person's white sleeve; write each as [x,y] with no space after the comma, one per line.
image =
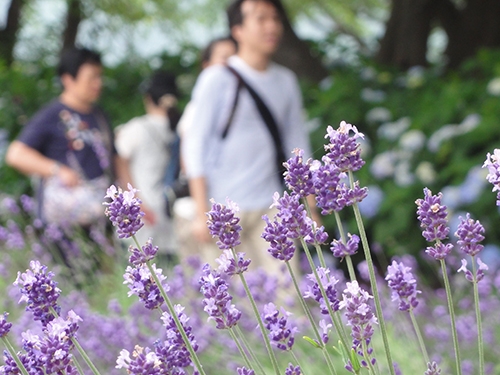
[206,102]
[296,135]
[127,139]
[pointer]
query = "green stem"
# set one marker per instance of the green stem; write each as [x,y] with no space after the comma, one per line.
[478,319]
[14,355]
[173,313]
[311,320]
[240,348]
[259,320]
[318,249]
[373,282]
[371,369]
[78,347]
[423,349]
[350,267]
[248,347]
[337,323]
[452,317]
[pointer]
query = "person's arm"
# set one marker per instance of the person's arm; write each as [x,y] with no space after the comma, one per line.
[198,191]
[29,161]
[206,107]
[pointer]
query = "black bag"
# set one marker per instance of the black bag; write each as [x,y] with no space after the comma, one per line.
[175,182]
[267,117]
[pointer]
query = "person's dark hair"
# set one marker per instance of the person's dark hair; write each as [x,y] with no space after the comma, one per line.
[73,58]
[162,89]
[206,54]
[235,16]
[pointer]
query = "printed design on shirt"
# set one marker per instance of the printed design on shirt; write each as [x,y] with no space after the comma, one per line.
[78,133]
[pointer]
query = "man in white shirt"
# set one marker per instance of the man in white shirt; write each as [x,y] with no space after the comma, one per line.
[242,166]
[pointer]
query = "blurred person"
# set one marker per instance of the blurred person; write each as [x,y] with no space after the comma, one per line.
[69,144]
[145,144]
[229,152]
[216,52]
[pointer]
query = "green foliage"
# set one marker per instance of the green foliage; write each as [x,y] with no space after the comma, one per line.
[463,102]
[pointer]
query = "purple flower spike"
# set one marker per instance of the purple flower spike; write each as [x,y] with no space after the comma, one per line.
[359,313]
[217,300]
[223,224]
[341,250]
[141,283]
[469,234]
[439,251]
[403,286]
[124,211]
[244,371]
[143,361]
[139,257]
[328,282]
[293,215]
[280,245]
[432,369]
[343,148]
[468,274]
[281,332]
[493,177]
[298,175]
[325,330]
[231,266]
[5,326]
[432,216]
[39,292]
[293,370]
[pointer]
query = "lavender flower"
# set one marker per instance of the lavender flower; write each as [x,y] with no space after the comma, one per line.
[468,274]
[281,332]
[217,300]
[470,233]
[329,191]
[39,292]
[293,370]
[343,149]
[141,283]
[298,175]
[5,326]
[231,266]
[144,362]
[124,211]
[148,253]
[432,217]
[360,318]
[244,371]
[179,354]
[328,282]
[341,250]
[432,369]
[439,250]
[325,330]
[292,214]
[223,224]
[280,245]
[493,177]
[28,203]
[403,285]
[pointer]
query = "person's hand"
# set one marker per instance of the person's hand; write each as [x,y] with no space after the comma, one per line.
[200,230]
[68,176]
[149,215]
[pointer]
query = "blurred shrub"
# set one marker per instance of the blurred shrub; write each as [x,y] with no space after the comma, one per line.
[422,128]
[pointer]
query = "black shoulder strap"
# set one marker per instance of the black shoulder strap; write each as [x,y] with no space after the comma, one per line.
[266,115]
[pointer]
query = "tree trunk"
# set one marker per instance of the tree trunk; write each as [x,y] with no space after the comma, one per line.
[296,55]
[8,35]
[73,18]
[468,29]
[474,27]
[407,30]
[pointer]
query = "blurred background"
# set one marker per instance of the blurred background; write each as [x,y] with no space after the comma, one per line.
[420,78]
